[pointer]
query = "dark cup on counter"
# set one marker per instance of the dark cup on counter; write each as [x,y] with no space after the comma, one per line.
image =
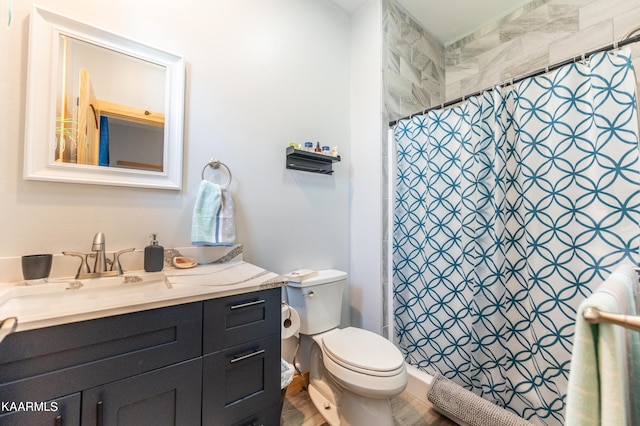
[36,267]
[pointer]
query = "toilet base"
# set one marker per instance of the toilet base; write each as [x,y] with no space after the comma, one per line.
[359,411]
[327,408]
[338,405]
[354,409]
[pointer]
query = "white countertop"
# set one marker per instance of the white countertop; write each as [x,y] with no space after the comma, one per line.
[60,302]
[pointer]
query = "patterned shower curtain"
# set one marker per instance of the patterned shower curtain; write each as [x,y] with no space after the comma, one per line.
[510,209]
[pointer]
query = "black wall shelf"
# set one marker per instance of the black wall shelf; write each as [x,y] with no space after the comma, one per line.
[310,161]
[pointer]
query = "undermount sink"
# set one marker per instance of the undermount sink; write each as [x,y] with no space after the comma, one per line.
[61,297]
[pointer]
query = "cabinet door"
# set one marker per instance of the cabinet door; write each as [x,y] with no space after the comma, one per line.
[241,382]
[63,411]
[168,396]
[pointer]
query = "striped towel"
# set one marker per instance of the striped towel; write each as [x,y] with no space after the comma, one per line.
[213,222]
[599,379]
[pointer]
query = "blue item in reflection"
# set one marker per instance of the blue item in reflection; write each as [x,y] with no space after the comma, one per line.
[103,153]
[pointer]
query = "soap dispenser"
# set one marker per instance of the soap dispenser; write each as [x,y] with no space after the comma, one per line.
[153,256]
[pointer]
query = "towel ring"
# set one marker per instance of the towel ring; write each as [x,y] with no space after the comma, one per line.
[214,163]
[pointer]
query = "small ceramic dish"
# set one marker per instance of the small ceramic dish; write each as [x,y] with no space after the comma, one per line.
[183,262]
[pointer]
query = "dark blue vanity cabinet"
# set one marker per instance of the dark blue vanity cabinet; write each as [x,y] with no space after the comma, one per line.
[215,362]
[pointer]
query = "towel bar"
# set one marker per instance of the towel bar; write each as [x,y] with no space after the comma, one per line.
[214,163]
[594,316]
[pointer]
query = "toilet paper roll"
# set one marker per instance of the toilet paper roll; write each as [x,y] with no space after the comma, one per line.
[290,321]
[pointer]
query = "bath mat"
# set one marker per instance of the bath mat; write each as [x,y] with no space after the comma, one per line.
[467,408]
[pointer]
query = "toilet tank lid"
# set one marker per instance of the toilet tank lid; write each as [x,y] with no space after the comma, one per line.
[325,276]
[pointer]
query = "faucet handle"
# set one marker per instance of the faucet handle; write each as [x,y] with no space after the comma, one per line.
[116,259]
[84,266]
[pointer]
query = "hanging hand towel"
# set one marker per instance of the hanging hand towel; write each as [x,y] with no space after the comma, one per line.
[213,223]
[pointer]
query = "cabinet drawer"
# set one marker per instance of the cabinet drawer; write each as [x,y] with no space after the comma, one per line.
[41,364]
[233,320]
[241,380]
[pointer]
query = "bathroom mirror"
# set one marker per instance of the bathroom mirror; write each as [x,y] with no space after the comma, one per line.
[101,109]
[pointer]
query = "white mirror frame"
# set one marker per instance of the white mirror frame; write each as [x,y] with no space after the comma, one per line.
[39,154]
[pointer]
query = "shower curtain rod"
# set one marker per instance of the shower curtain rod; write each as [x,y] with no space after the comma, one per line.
[627,39]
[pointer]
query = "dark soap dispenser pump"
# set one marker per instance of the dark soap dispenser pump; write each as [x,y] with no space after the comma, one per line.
[153,256]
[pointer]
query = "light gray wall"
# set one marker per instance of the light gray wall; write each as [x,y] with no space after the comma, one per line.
[259,75]
[366,175]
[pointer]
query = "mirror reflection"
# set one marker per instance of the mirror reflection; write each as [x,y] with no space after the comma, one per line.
[101,109]
[109,108]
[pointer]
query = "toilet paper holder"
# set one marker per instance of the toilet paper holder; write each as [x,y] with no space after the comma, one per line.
[287,321]
[290,321]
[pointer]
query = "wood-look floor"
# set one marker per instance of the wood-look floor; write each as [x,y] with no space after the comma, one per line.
[298,410]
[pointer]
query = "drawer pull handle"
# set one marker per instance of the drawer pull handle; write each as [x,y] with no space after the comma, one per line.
[243,357]
[245,305]
[58,420]
[99,413]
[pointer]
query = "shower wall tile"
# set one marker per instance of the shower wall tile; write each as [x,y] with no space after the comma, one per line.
[538,35]
[414,71]
[584,41]
[622,24]
[599,11]
[505,53]
[453,90]
[410,72]
[540,40]
[535,59]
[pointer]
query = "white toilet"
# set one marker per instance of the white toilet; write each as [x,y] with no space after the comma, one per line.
[353,373]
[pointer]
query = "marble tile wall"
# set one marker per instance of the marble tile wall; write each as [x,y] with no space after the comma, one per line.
[540,34]
[413,61]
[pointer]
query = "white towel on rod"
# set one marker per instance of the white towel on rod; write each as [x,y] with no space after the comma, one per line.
[599,391]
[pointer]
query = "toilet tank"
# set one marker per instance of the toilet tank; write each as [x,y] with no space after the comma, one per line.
[318,300]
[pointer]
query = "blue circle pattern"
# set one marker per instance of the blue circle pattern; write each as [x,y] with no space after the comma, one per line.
[510,209]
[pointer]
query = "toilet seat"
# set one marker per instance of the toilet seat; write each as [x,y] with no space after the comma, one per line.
[363,352]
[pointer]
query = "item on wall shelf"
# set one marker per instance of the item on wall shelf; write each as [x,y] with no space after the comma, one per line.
[318,149]
[314,162]
[308,146]
[153,256]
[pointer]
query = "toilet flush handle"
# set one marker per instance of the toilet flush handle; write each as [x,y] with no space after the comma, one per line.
[310,294]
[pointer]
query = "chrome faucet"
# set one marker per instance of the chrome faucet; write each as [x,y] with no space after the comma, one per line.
[102,267]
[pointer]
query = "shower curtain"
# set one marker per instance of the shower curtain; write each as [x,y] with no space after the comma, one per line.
[510,209]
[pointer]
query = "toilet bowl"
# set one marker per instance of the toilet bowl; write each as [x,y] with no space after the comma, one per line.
[353,373]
